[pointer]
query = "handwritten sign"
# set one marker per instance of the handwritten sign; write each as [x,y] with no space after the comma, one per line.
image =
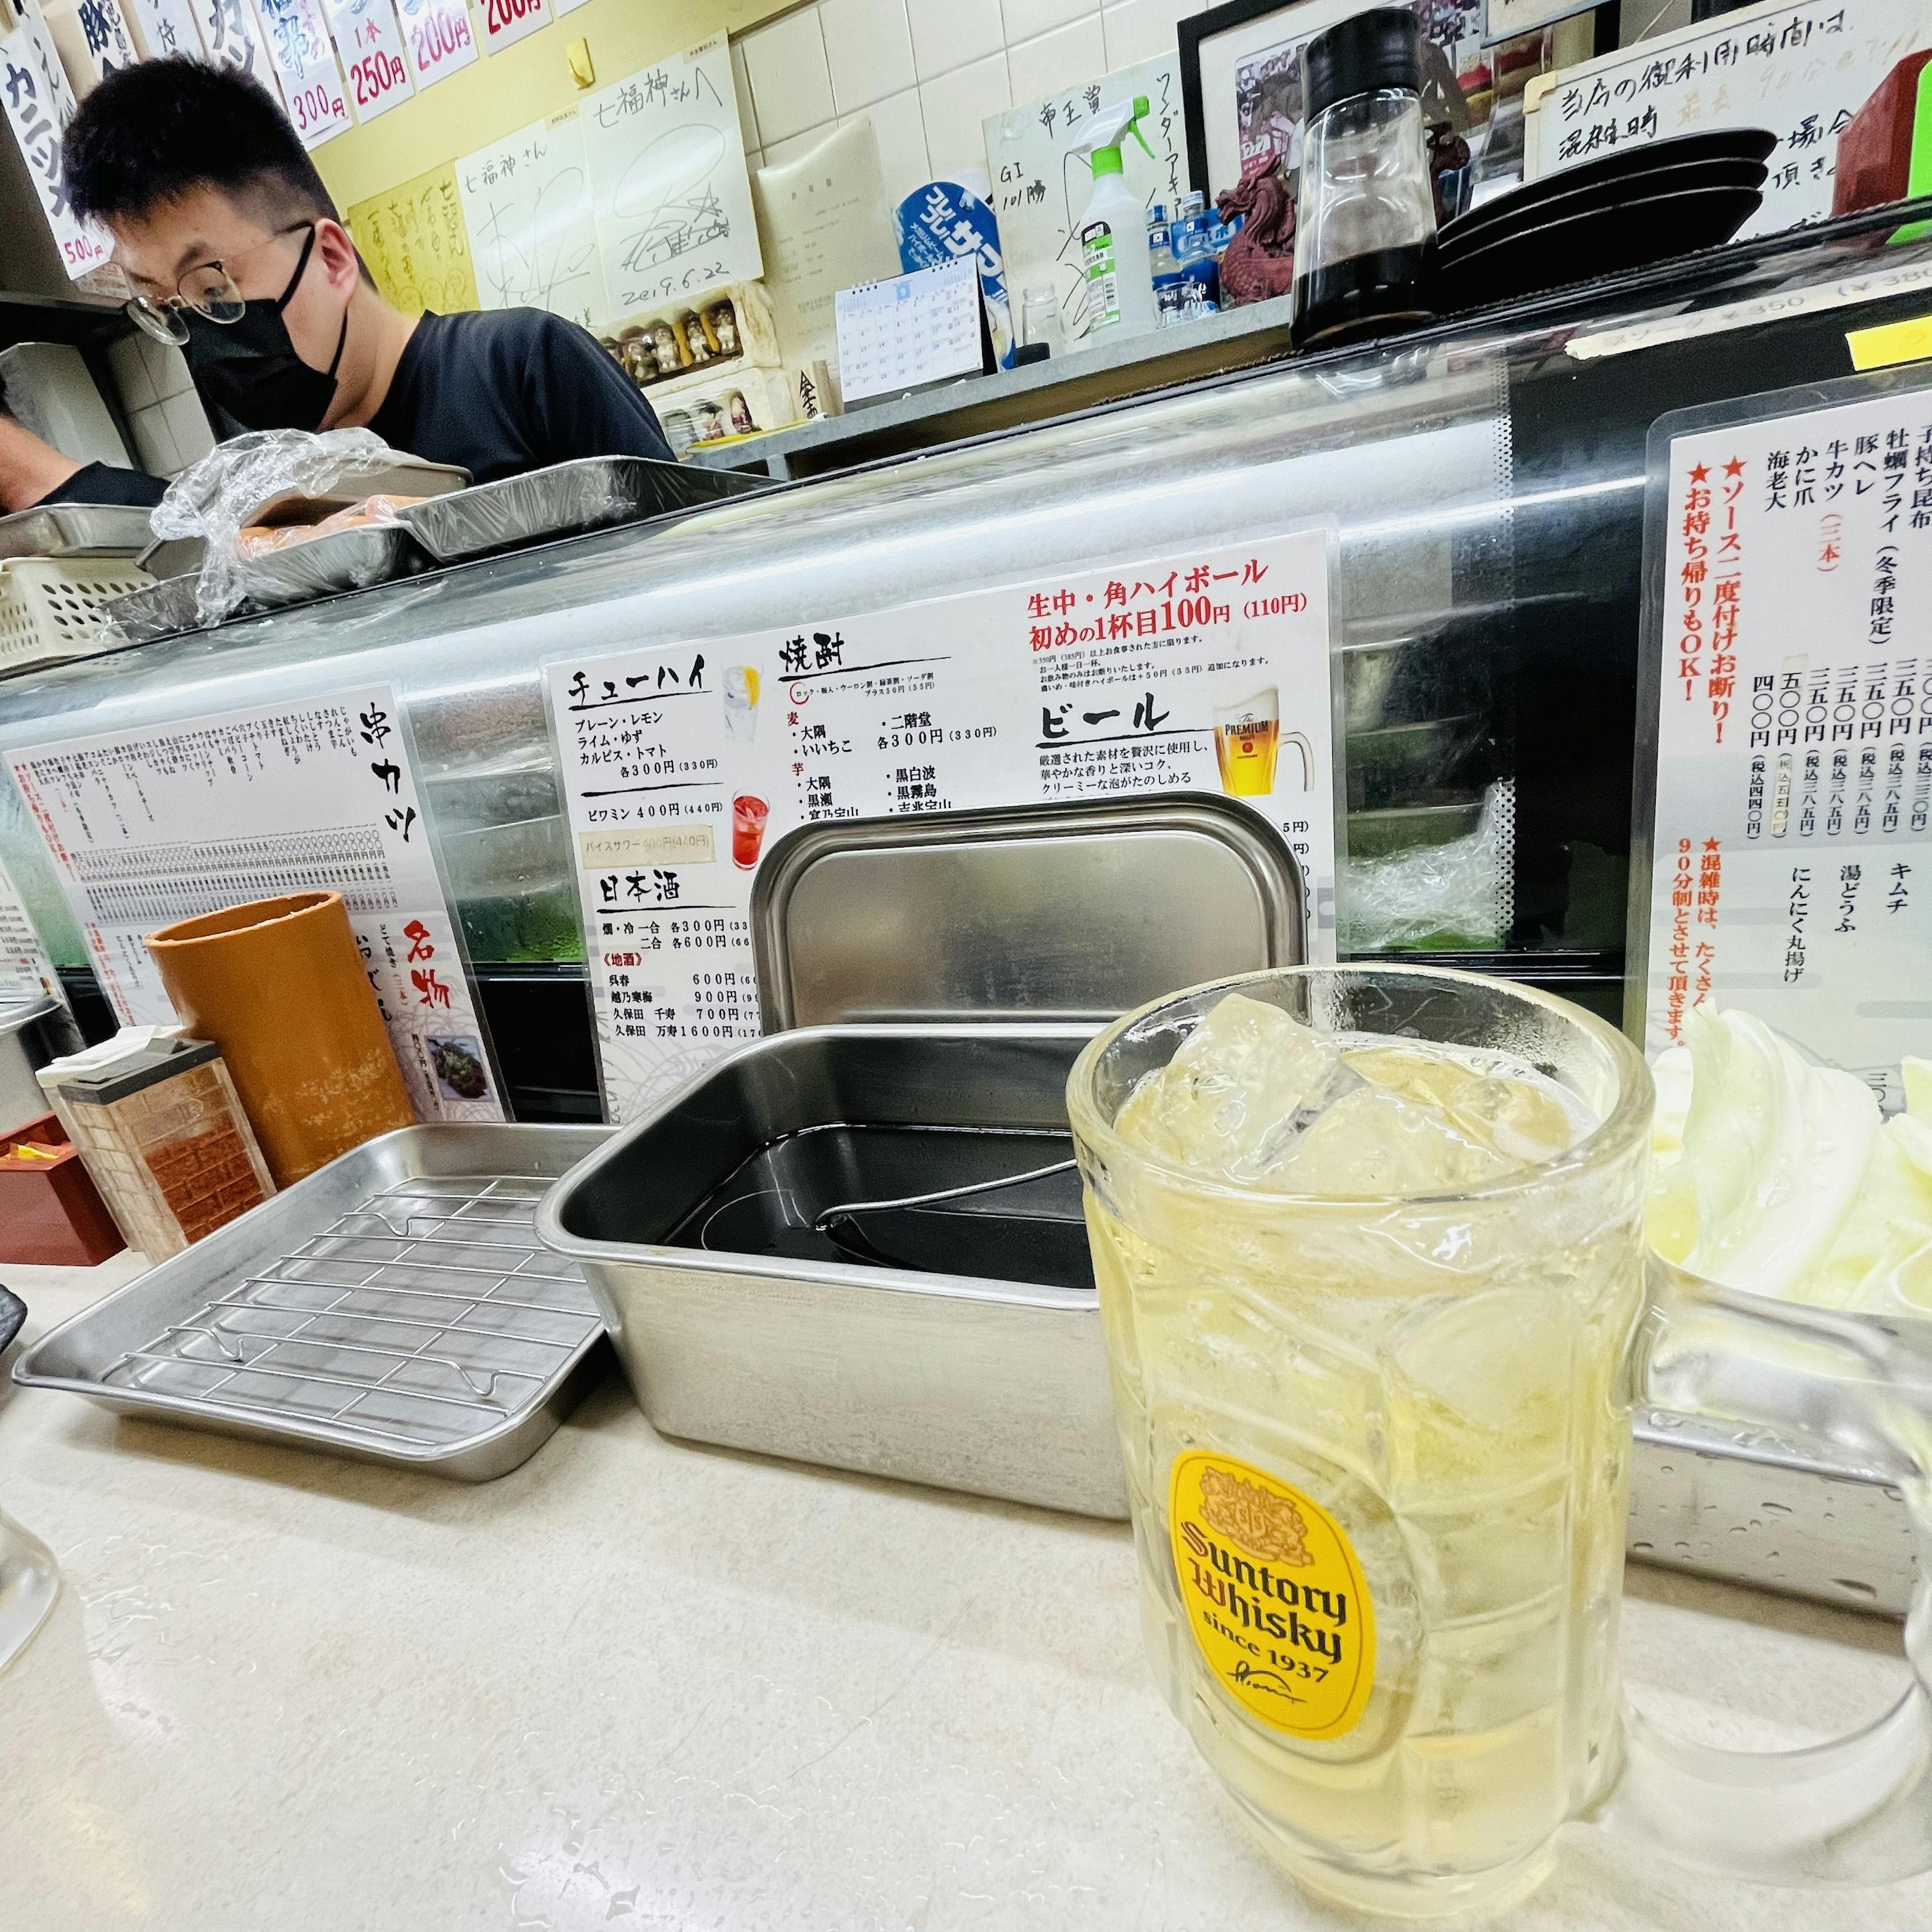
[103,35]
[533,233]
[147,827]
[436,33]
[304,58]
[229,34]
[39,104]
[682,765]
[506,21]
[667,181]
[371,46]
[413,241]
[1040,186]
[166,28]
[1801,72]
[1792,852]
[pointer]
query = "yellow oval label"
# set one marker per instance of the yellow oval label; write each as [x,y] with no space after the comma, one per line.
[1277,1601]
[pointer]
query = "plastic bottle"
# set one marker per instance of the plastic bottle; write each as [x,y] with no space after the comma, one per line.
[1113,230]
[1167,292]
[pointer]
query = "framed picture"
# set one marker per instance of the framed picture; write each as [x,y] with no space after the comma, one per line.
[1240,76]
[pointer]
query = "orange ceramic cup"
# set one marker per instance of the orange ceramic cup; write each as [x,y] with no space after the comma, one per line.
[279,986]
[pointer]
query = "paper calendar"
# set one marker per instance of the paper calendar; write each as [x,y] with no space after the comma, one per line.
[909,331]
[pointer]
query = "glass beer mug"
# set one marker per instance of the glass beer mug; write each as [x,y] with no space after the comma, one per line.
[1374,1376]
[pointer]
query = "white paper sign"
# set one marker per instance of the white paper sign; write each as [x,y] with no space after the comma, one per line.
[916,328]
[683,766]
[39,104]
[1504,20]
[26,970]
[304,58]
[1792,874]
[1041,186]
[1801,72]
[668,181]
[533,233]
[506,21]
[437,35]
[166,28]
[149,827]
[104,33]
[376,73]
[233,37]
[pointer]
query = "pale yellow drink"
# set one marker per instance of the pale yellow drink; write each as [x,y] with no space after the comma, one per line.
[1367,1311]
[1247,742]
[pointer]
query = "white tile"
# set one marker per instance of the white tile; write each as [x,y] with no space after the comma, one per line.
[1142,30]
[1027,20]
[187,425]
[171,372]
[754,159]
[1062,59]
[130,373]
[950,34]
[869,46]
[954,107]
[154,444]
[777,153]
[900,125]
[741,83]
[791,85]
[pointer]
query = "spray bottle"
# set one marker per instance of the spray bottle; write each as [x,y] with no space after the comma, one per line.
[1113,231]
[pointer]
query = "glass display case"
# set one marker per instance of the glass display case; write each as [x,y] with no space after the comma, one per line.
[1486,482]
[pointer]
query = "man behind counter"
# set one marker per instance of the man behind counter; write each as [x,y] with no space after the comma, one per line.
[235,253]
[33,473]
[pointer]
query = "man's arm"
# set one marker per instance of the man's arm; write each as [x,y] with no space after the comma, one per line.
[581,403]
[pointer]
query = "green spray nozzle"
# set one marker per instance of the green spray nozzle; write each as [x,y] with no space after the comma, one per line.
[1107,129]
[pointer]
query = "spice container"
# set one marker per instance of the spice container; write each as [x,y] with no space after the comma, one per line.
[157,1122]
[51,1213]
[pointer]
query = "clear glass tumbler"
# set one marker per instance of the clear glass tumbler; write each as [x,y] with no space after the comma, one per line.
[1378,1452]
[29,1582]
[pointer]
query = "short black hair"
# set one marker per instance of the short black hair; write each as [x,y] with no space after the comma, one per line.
[155,131]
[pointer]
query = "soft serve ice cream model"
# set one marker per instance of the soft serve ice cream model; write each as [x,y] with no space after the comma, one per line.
[1771,1173]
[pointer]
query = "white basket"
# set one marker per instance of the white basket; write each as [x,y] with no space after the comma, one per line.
[50,607]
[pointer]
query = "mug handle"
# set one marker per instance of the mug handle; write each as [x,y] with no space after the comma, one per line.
[1858,1810]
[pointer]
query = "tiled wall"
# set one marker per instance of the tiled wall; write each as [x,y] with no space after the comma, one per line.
[169,427]
[928,72]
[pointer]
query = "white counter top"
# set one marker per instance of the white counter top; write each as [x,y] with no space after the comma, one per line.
[634,1684]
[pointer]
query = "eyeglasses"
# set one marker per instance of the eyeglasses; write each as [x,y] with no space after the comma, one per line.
[208,289]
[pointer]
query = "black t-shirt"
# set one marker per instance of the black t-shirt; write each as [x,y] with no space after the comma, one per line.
[502,391]
[97,483]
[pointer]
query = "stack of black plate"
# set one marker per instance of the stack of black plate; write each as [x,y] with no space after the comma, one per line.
[1624,211]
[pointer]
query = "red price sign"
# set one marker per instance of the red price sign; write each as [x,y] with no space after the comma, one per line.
[439,39]
[504,21]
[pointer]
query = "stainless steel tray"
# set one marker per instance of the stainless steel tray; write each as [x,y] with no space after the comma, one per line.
[162,610]
[76,530]
[395,1307]
[355,480]
[343,560]
[994,1387]
[591,494]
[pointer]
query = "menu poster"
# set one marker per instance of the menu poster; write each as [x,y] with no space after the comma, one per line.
[437,35]
[1801,71]
[371,43]
[39,104]
[166,28]
[412,240]
[672,199]
[230,33]
[149,827]
[304,57]
[682,765]
[26,970]
[505,21]
[1791,873]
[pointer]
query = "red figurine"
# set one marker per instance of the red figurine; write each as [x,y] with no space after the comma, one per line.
[1260,260]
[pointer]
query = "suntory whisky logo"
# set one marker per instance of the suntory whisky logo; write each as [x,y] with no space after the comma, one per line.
[1274,1595]
[1266,1526]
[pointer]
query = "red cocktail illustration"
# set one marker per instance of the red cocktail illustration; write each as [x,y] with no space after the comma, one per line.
[747,830]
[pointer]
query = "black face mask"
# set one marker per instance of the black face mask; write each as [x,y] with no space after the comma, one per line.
[249,368]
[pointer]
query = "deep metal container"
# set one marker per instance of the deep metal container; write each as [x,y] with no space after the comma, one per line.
[956,964]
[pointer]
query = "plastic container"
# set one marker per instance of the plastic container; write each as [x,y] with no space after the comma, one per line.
[51,607]
[158,1123]
[280,988]
[1116,262]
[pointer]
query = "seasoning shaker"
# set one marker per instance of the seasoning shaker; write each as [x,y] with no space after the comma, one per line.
[1365,221]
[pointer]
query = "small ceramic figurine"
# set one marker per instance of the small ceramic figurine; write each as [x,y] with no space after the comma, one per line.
[664,339]
[639,358]
[696,339]
[742,423]
[723,319]
[1260,260]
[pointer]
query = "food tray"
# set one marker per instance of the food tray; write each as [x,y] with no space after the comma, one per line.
[356,479]
[592,493]
[159,611]
[76,530]
[395,1307]
[343,560]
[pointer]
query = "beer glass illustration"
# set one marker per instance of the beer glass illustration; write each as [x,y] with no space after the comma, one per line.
[1247,741]
[747,830]
[741,704]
